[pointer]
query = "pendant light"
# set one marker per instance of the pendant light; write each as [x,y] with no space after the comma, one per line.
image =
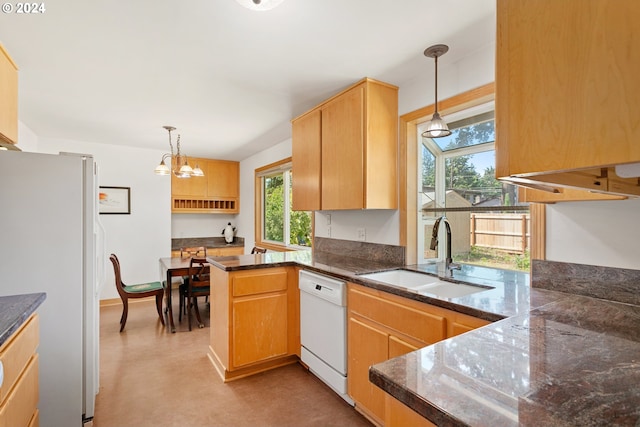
[436,127]
[179,163]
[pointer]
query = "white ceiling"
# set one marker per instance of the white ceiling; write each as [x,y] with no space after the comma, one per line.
[228,78]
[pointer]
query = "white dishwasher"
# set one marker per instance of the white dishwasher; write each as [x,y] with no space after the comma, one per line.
[323,329]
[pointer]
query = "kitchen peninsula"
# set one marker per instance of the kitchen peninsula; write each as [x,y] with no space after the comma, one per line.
[549,356]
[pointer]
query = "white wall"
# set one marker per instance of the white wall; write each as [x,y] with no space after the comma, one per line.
[144,236]
[201,225]
[597,233]
[246,222]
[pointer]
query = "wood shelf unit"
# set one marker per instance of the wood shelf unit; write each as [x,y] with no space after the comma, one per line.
[218,191]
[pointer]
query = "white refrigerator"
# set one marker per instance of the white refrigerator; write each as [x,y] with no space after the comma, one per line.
[51,241]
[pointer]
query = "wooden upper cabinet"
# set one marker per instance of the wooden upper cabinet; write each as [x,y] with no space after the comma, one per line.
[306,161]
[568,93]
[218,191]
[8,99]
[345,151]
[223,179]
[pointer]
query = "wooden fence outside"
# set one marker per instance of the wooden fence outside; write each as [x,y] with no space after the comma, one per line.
[506,232]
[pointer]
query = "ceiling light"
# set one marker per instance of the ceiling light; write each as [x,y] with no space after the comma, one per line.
[436,127]
[259,4]
[178,163]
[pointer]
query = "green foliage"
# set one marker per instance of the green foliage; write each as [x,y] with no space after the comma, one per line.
[274,208]
[299,221]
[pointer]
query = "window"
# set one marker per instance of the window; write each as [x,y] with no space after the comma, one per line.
[277,225]
[456,177]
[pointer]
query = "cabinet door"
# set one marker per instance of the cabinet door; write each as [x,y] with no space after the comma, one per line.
[398,347]
[567,86]
[343,151]
[195,186]
[306,161]
[8,98]
[367,346]
[223,179]
[259,328]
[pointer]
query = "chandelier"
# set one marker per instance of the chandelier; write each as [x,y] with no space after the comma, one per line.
[436,127]
[178,163]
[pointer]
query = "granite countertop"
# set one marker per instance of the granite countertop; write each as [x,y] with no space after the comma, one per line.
[549,358]
[566,363]
[207,242]
[15,309]
[511,294]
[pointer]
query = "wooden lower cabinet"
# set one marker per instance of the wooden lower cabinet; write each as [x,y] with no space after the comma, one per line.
[19,391]
[398,414]
[255,321]
[382,326]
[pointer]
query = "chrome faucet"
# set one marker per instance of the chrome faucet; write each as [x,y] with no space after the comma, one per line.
[449,265]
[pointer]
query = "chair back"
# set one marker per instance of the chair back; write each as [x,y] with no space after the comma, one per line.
[118,276]
[257,250]
[198,274]
[196,251]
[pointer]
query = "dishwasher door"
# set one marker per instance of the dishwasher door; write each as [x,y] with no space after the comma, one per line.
[323,328]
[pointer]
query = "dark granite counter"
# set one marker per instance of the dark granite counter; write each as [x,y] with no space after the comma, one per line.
[207,242]
[549,359]
[510,293]
[572,362]
[15,309]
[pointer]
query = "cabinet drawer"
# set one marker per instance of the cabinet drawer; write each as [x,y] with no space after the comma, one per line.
[426,327]
[16,352]
[20,406]
[250,283]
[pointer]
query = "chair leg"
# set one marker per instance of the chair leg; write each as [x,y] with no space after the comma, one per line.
[189,305]
[181,307]
[200,324]
[159,307]
[125,312]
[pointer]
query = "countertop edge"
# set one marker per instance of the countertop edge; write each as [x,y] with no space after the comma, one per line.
[20,308]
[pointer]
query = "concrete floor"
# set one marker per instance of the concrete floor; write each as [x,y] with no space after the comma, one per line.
[149,377]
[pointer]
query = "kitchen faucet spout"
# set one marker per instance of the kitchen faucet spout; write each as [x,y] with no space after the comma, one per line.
[449,265]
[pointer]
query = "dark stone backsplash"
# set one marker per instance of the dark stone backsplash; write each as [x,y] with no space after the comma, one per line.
[209,242]
[364,250]
[608,283]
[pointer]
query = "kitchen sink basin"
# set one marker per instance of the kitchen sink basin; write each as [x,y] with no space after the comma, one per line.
[402,278]
[424,283]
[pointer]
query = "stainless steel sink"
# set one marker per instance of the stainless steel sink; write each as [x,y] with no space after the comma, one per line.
[424,283]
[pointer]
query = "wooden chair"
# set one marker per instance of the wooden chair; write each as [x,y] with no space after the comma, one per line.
[257,250]
[196,285]
[142,290]
[199,251]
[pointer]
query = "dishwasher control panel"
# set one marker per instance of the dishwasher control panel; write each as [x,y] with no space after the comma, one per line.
[324,287]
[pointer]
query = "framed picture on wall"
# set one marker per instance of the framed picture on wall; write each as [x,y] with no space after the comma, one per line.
[114,200]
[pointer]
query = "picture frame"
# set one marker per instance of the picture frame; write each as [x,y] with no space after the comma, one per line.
[114,200]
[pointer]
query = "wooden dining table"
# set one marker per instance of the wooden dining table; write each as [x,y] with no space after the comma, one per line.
[172,267]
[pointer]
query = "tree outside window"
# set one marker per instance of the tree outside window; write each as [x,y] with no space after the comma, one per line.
[279,220]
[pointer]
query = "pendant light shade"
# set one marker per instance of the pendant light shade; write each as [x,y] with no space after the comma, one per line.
[436,127]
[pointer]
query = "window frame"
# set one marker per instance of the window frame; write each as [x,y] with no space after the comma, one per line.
[275,167]
[409,123]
